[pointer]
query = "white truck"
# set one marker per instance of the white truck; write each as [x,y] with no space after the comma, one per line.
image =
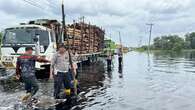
[44,35]
[16,38]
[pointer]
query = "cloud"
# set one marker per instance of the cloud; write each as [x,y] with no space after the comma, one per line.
[19,9]
[127,16]
[168,6]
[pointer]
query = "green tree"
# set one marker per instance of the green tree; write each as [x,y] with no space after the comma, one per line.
[190,40]
[1,35]
[171,42]
[157,42]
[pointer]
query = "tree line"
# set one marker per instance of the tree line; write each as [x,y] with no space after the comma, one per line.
[1,35]
[174,42]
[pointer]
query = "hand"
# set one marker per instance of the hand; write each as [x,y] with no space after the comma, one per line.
[18,77]
[51,77]
[51,73]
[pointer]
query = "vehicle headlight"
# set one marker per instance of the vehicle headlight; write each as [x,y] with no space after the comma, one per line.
[8,58]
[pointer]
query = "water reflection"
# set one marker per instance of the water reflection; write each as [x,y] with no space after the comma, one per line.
[159,81]
[120,70]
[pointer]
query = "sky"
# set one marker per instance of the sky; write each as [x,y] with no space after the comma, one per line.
[127,16]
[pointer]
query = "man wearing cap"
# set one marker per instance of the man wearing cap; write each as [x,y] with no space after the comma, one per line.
[60,70]
[25,70]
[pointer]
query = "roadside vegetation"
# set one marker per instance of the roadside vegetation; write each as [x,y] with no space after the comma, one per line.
[172,43]
[109,46]
[1,35]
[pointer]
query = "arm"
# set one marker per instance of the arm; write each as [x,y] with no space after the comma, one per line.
[53,61]
[41,59]
[73,59]
[51,74]
[18,74]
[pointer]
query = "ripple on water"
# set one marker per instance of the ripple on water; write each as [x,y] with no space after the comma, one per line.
[155,82]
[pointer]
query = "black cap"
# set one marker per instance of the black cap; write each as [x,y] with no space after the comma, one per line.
[62,46]
[28,48]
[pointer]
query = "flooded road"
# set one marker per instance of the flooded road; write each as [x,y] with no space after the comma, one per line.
[157,81]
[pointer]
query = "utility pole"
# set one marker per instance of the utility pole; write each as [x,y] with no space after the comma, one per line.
[140,41]
[150,35]
[89,46]
[109,55]
[120,55]
[82,21]
[64,33]
[74,26]
[110,51]
[121,46]
[69,54]
[94,38]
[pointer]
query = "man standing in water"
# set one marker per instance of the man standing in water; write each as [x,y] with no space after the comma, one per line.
[60,70]
[25,70]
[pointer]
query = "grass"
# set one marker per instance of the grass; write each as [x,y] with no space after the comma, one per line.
[158,50]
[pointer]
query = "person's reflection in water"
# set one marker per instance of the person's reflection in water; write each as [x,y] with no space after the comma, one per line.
[120,70]
[109,63]
[109,71]
[149,62]
[67,105]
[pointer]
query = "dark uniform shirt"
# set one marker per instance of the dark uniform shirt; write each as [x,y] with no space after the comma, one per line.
[25,65]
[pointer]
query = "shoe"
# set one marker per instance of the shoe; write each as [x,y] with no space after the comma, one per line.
[34,100]
[26,97]
[67,92]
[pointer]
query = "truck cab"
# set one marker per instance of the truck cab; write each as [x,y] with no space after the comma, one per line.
[15,39]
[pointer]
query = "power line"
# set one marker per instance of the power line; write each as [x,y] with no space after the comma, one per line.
[37,5]
[55,5]
[33,4]
[48,4]
[120,40]
[51,4]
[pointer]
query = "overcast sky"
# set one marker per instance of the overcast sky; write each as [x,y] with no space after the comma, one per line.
[128,16]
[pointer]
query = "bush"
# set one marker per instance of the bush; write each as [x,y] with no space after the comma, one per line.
[171,42]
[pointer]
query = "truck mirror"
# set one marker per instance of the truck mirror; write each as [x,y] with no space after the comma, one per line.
[36,39]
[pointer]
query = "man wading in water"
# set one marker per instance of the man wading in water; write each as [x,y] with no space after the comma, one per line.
[25,70]
[60,70]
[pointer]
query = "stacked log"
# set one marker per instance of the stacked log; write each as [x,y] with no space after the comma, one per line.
[85,38]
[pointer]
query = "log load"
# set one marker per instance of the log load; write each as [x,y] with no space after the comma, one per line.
[85,38]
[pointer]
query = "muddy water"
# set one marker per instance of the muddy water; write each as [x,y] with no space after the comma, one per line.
[159,81]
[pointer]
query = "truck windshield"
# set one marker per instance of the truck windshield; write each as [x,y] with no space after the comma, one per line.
[25,36]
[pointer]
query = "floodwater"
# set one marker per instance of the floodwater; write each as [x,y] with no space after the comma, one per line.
[159,81]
